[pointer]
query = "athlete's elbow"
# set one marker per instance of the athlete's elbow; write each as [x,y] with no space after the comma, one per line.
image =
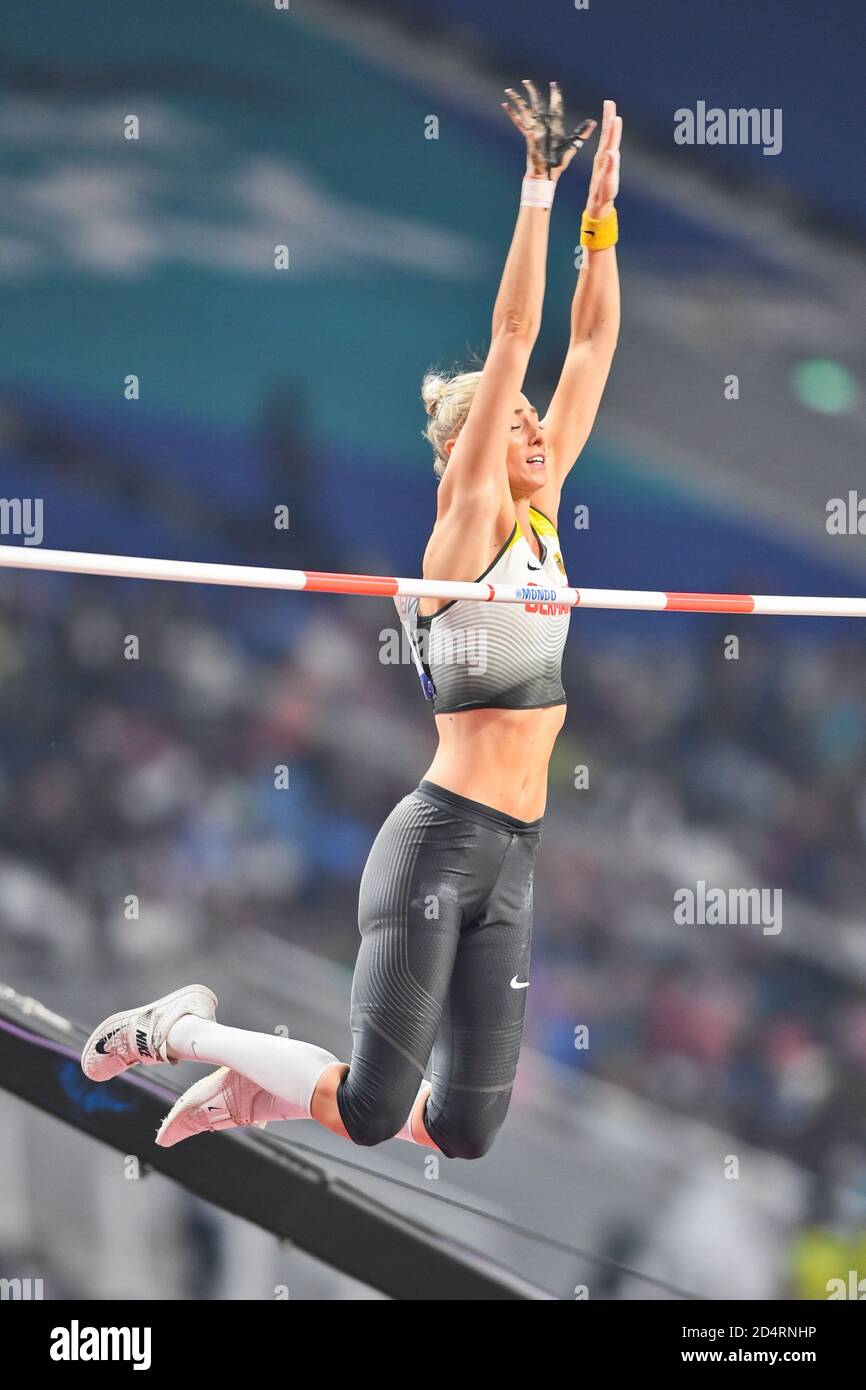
[607,336]
[516,326]
[595,351]
[605,333]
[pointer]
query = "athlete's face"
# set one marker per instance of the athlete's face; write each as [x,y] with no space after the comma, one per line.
[527,451]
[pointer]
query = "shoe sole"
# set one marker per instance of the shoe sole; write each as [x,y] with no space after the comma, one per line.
[107,1023]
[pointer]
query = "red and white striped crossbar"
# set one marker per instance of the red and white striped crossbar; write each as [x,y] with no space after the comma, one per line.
[253,577]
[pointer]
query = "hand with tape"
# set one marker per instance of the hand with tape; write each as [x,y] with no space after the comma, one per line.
[549,150]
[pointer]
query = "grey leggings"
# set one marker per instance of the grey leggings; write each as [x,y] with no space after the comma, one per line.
[445,915]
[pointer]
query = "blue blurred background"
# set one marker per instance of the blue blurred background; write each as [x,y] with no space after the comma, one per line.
[262,389]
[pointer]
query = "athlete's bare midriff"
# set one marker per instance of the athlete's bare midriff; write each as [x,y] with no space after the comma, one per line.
[499,757]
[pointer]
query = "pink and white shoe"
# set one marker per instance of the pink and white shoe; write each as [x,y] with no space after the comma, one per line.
[223,1100]
[141,1035]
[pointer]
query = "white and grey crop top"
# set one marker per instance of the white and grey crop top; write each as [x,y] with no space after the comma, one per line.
[499,655]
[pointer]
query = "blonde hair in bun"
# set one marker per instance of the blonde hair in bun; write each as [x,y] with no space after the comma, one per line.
[447,400]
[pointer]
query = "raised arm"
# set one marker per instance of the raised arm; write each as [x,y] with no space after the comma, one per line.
[594,319]
[476,469]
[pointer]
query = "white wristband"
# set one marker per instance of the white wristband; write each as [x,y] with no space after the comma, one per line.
[537,193]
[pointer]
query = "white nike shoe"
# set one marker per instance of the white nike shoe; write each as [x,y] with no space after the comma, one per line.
[141,1035]
[223,1100]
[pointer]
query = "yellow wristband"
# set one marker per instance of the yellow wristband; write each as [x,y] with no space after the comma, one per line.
[598,233]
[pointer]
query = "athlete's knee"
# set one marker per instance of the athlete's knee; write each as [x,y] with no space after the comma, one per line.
[470,1145]
[471,1136]
[374,1129]
[374,1122]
